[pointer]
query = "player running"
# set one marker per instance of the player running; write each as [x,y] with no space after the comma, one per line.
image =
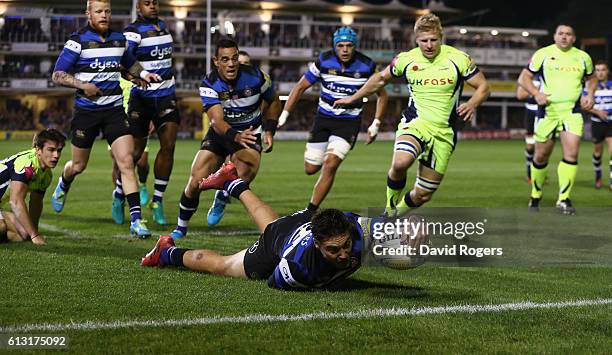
[232,95]
[91,62]
[601,126]
[562,69]
[142,165]
[342,71]
[150,41]
[297,252]
[428,131]
[28,172]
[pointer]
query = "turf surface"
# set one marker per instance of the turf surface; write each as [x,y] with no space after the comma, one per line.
[89,270]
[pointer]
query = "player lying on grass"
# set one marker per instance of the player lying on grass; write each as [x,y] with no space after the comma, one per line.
[28,171]
[301,251]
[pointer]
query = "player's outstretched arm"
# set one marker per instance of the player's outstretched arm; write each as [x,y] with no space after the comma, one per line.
[36,207]
[19,191]
[467,110]
[373,85]
[381,107]
[294,96]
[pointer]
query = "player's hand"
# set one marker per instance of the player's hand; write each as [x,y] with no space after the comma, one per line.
[140,83]
[268,140]
[39,240]
[91,90]
[587,102]
[417,235]
[246,137]
[343,102]
[373,131]
[542,98]
[152,78]
[466,111]
[151,127]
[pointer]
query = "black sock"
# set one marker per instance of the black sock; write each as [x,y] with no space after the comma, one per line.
[143,174]
[312,207]
[396,184]
[236,187]
[173,256]
[133,200]
[409,201]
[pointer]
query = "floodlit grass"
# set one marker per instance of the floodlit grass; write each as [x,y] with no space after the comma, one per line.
[89,271]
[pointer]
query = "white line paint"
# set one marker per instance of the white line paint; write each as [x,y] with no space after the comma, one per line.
[264,318]
[78,235]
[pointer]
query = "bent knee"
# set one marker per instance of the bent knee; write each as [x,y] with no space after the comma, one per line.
[421,197]
[311,169]
[79,167]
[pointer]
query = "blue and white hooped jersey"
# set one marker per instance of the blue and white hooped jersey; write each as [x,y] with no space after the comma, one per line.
[340,80]
[530,103]
[302,265]
[152,45]
[96,59]
[241,100]
[603,99]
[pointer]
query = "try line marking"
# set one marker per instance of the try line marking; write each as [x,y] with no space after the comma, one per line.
[264,318]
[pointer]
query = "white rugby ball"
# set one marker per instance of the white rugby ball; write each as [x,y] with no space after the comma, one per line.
[393,250]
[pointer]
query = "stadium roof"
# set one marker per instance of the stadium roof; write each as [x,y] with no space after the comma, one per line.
[361,7]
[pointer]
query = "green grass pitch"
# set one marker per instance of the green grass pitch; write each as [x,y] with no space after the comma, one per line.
[89,271]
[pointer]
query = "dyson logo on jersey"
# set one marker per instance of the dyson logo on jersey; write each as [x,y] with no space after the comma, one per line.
[341,89]
[239,117]
[101,66]
[160,53]
[442,81]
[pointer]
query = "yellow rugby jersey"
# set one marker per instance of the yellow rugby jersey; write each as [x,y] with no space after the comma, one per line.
[561,73]
[435,85]
[24,167]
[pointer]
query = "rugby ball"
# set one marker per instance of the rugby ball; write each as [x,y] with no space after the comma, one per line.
[393,251]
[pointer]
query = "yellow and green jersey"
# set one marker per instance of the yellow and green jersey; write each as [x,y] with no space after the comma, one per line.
[435,85]
[126,88]
[24,167]
[562,74]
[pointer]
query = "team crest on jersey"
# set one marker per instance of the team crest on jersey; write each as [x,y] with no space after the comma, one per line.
[135,115]
[248,92]
[93,44]
[415,67]
[357,75]
[254,247]
[151,33]
[80,133]
[332,71]
[116,44]
[224,96]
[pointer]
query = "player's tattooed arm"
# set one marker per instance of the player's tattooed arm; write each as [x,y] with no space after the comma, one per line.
[68,80]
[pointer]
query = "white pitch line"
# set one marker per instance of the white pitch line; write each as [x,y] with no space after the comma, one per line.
[264,318]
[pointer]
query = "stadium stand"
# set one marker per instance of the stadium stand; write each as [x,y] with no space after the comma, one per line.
[281,42]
